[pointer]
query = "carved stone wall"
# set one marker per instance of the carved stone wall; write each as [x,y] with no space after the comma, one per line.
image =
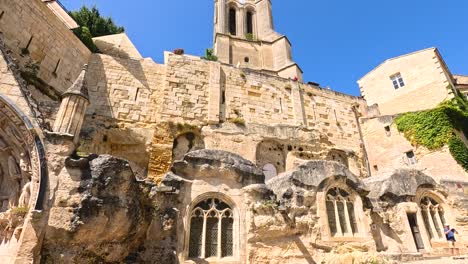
[21,175]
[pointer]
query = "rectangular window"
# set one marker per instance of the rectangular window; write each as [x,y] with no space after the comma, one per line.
[388,131]
[331,217]
[211,247]
[196,234]
[352,217]
[397,81]
[411,158]
[227,242]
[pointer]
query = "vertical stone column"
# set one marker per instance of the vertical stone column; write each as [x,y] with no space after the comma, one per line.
[73,107]
[264,18]
[347,218]
[299,111]
[431,223]
[203,251]
[337,220]
[438,223]
[220,226]
[214,103]
[221,16]
[241,22]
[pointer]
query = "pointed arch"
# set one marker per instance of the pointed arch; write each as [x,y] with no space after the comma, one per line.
[232,20]
[213,226]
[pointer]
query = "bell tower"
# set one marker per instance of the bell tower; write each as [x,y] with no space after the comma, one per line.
[244,35]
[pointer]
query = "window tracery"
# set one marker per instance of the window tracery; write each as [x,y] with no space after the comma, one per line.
[211,230]
[340,213]
[433,216]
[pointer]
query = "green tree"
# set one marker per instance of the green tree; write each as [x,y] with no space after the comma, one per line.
[92,24]
[209,55]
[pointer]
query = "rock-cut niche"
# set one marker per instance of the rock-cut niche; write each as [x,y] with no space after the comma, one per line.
[186,143]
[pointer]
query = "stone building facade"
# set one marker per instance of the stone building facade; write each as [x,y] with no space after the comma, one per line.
[193,161]
[395,83]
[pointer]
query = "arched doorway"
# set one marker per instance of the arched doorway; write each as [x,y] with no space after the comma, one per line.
[23,177]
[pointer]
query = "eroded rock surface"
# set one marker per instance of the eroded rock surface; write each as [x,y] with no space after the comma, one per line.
[102,218]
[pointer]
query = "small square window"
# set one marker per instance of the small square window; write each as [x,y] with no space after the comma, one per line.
[397,81]
[388,131]
[411,158]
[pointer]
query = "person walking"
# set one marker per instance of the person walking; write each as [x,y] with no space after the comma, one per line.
[450,235]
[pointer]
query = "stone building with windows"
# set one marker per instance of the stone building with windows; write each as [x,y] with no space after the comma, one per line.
[194,161]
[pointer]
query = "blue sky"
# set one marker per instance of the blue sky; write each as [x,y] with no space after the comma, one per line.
[335,42]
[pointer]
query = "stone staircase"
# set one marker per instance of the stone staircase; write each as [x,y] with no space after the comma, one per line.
[449,252]
[442,255]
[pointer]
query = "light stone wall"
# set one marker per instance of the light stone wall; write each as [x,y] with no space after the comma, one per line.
[125,102]
[51,41]
[118,45]
[268,51]
[10,88]
[274,57]
[255,98]
[186,89]
[387,152]
[126,90]
[462,84]
[200,93]
[426,83]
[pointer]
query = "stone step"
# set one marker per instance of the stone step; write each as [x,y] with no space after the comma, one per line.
[441,260]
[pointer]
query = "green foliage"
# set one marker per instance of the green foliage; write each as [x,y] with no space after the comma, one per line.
[209,55]
[85,36]
[438,127]
[92,24]
[97,25]
[431,128]
[459,151]
[238,121]
[20,211]
[269,203]
[243,76]
[250,37]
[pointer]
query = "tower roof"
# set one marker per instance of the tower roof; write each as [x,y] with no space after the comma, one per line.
[79,87]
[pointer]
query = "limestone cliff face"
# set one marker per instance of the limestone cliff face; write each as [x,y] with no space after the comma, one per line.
[100,213]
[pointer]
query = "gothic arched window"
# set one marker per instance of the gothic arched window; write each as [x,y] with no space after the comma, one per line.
[340,212]
[249,21]
[211,230]
[232,21]
[433,216]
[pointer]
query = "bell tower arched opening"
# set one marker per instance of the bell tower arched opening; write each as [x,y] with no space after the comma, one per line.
[249,22]
[232,21]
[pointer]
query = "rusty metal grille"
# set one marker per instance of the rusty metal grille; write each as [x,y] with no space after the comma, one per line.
[226,237]
[331,217]
[211,244]
[196,234]
[352,217]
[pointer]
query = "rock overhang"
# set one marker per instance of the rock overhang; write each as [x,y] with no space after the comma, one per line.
[218,163]
[313,175]
[399,183]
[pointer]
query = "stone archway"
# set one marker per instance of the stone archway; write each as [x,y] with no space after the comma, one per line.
[271,152]
[23,177]
[185,143]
